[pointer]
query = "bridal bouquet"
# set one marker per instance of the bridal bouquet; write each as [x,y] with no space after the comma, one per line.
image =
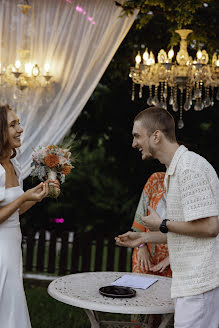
[52,163]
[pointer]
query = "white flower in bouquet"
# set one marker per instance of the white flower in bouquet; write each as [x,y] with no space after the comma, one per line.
[62,160]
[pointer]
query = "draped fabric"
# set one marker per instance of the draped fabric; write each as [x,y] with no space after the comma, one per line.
[78,39]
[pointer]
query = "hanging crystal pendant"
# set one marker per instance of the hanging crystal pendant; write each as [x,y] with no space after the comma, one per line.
[165,93]
[180,124]
[187,105]
[207,101]
[149,101]
[212,101]
[155,101]
[133,91]
[150,98]
[198,106]
[165,106]
[162,104]
[175,107]
[197,93]
[140,91]
[171,100]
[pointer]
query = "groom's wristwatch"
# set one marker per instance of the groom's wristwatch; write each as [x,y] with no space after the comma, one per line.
[163,226]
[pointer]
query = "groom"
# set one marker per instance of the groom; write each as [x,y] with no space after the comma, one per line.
[191,227]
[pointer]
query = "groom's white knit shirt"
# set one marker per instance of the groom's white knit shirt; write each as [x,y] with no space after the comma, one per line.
[192,191]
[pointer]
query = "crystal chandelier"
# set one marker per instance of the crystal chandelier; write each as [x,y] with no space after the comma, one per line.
[22,79]
[183,83]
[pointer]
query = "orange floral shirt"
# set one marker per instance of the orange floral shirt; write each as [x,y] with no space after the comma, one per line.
[151,195]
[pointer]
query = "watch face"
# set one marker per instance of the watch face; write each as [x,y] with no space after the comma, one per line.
[163,228]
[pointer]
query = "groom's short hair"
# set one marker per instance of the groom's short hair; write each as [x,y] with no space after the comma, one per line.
[157,118]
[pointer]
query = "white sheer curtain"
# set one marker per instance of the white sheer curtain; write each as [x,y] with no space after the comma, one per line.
[79,40]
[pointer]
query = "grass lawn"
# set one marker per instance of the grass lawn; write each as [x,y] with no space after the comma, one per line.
[46,312]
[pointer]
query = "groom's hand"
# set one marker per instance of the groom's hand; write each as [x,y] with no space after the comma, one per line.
[130,239]
[152,221]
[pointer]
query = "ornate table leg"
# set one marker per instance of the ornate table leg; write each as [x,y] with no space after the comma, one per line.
[93,319]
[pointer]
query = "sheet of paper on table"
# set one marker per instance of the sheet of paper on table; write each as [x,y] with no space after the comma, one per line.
[134,281]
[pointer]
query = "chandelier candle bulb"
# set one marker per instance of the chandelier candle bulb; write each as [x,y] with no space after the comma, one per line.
[137,60]
[171,54]
[152,58]
[145,56]
[199,55]
[28,68]
[46,68]
[17,64]
[16,70]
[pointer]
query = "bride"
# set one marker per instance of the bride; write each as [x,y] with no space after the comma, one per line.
[13,201]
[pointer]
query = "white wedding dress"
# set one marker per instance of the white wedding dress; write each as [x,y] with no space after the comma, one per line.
[13,306]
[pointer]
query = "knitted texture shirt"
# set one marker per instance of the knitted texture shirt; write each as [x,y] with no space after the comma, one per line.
[192,191]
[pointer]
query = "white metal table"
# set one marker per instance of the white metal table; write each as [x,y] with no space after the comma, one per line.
[82,290]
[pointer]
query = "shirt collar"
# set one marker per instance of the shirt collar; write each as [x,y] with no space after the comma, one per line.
[181,150]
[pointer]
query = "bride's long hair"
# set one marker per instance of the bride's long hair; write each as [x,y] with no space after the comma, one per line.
[4,138]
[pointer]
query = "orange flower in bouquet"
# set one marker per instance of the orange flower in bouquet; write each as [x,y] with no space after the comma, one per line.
[66,169]
[51,160]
